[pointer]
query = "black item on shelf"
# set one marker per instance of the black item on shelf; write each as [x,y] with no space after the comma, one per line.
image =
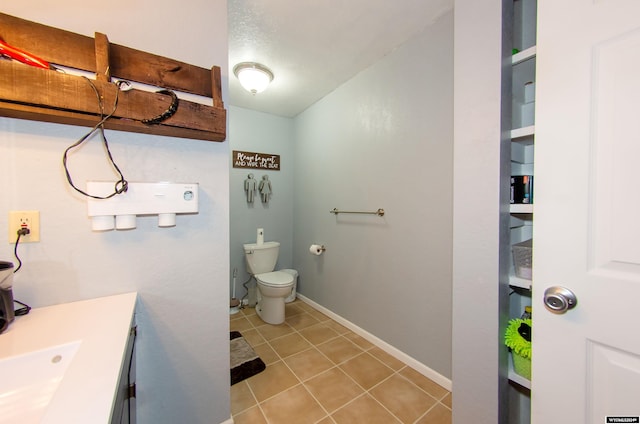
[525,331]
[522,189]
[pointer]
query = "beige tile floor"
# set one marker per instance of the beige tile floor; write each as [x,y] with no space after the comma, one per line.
[318,371]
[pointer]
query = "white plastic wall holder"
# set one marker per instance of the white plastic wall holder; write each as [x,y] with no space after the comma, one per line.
[125,222]
[166,220]
[103,223]
[162,199]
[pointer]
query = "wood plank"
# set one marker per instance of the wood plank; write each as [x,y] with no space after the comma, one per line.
[51,93]
[51,44]
[34,113]
[216,85]
[136,65]
[31,93]
[103,73]
[78,51]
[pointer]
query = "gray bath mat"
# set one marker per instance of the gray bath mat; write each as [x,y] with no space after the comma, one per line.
[244,361]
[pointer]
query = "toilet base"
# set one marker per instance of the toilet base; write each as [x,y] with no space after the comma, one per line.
[271,309]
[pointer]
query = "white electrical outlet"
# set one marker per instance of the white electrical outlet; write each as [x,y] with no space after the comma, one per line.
[24,219]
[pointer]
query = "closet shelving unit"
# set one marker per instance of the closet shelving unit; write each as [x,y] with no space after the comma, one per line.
[522,158]
[518,379]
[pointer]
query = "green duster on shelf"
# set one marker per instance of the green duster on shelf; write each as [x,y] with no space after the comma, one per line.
[517,337]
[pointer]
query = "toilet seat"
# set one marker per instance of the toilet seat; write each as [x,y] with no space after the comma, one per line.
[275,279]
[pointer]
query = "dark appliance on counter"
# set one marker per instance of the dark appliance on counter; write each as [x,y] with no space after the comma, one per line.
[6,295]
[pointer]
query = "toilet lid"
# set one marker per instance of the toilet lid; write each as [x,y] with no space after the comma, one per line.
[275,279]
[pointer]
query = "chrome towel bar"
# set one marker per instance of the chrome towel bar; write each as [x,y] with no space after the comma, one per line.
[379,212]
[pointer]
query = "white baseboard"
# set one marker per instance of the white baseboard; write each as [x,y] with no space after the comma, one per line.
[229,421]
[396,353]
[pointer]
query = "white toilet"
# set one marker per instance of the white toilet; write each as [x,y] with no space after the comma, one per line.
[273,286]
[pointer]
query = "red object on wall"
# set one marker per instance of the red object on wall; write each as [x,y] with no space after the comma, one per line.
[22,56]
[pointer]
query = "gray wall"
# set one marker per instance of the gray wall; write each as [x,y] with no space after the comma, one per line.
[384,140]
[180,273]
[480,259]
[262,133]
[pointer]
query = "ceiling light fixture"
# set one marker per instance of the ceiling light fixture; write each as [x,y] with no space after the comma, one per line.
[253,76]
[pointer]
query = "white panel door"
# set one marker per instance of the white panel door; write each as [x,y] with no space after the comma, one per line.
[586,362]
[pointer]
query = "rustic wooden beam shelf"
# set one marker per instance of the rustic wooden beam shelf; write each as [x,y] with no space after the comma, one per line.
[27,92]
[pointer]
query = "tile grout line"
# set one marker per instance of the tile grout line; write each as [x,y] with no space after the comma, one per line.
[426,413]
[301,311]
[336,365]
[281,359]
[404,366]
[367,391]
[255,398]
[312,346]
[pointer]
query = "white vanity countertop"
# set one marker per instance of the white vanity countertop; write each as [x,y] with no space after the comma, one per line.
[87,390]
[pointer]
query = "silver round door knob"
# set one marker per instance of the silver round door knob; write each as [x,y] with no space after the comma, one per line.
[559,300]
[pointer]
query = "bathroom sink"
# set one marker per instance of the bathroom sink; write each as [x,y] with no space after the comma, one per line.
[30,380]
[57,368]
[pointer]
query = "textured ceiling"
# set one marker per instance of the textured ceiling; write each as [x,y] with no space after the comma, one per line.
[313,46]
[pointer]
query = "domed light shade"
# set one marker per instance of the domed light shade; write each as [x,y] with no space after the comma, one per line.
[254,77]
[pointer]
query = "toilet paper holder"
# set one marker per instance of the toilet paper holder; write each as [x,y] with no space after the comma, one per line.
[317,249]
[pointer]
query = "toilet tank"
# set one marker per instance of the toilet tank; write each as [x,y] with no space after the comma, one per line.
[261,258]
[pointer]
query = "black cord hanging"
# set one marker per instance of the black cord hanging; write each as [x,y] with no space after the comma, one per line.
[121,185]
[15,253]
[25,308]
[167,113]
